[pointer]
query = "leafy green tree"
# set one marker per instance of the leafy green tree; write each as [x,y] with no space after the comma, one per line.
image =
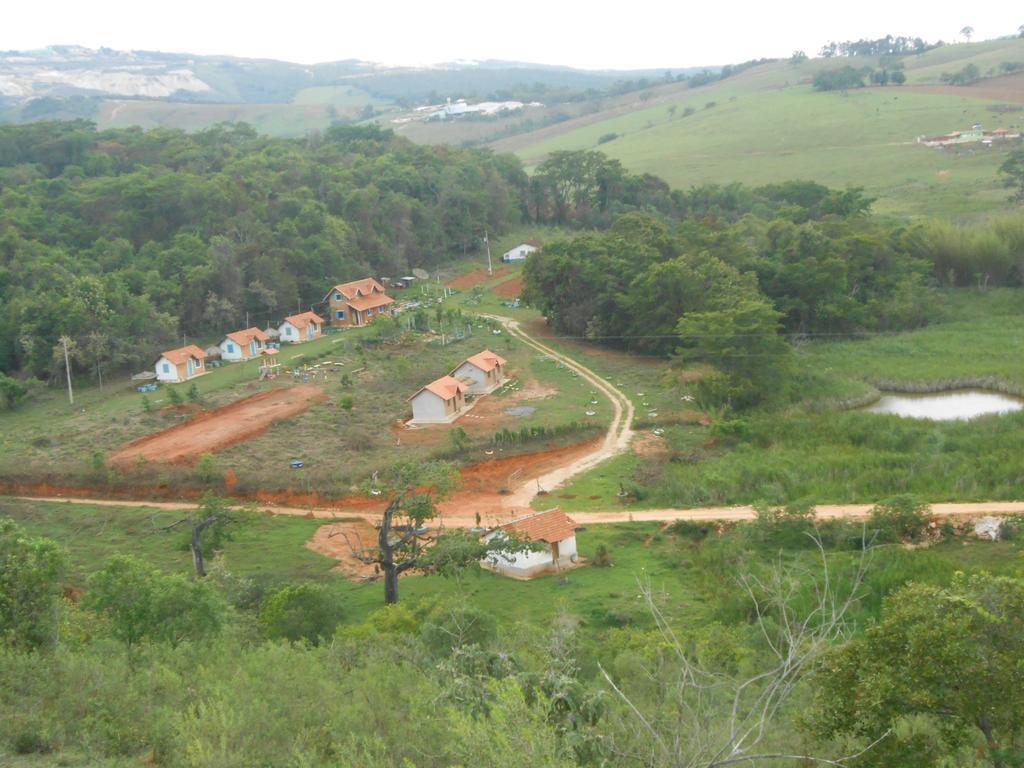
[404,542]
[950,655]
[1013,171]
[743,342]
[459,439]
[12,392]
[306,612]
[140,603]
[31,579]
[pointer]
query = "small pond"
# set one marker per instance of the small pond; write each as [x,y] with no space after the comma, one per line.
[959,404]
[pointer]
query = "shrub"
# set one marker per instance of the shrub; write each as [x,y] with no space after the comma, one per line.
[691,529]
[346,403]
[901,518]
[301,612]
[790,526]
[206,469]
[174,396]
[147,404]
[602,558]
[605,138]
[12,392]
[193,393]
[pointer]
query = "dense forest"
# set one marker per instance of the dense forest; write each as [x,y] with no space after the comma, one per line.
[126,239]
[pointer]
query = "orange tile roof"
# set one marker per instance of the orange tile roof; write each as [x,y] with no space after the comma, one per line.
[446,387]
[357,288]
[303,319]
[180,355]
[243,337]
[486,360]
[535,243]
[550,526]
[369,302]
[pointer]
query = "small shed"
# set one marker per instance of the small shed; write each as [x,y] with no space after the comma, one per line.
[439,402]
[482,373]
[553,528]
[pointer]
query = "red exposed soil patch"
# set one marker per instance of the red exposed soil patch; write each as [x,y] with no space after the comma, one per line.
[337,540]
[212,430]
[476,277]
[510,289]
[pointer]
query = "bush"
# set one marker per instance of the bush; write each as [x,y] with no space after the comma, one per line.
[174,396]
[901,518]
[12,392]
[602,558]
[193,393]
[790,527]
[605,138]
[691,529]
[301,612]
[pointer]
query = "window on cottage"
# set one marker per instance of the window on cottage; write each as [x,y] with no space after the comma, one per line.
[167,367]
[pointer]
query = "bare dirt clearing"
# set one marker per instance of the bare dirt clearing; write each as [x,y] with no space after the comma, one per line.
[338,540]
[472,279]
[212,430]
[510,289]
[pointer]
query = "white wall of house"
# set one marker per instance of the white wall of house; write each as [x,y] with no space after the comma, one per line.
[290,333]
[519,253]
[526,564]
[427,407]
[469,371]
[231,351]
[166,370]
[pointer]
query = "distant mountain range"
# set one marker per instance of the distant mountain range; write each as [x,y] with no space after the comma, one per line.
[76,73]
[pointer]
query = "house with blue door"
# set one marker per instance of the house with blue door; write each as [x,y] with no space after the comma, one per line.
[181,364]
[358,303]
[243,345]
[304,326]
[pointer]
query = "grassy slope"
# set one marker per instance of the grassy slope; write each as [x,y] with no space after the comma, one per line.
[271,550]
[769,125]
[312,109]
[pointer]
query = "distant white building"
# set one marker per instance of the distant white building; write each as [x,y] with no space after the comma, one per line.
[557,532]
[521,251]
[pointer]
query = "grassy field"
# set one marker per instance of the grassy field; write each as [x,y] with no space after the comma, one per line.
[270,549]
[313,109]
[768,125]
[48,441]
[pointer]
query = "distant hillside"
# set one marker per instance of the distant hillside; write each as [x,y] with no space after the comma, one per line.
[768,124]
[122,88]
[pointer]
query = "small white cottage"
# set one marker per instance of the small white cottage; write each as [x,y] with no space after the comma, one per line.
[304,326]
[440,402]
[554,528]
[243,345]
[180,364]
[482,373]
[521,251]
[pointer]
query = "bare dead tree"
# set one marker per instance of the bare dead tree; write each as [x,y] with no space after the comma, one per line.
[716,720]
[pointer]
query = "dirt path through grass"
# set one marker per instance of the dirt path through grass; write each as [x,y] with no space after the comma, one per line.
[616,440]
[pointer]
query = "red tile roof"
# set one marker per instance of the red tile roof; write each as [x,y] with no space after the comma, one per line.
[242,338]
[535,243]
[180,355]
[303,319]
[446,387]
[357,288]
[486,360]
[369,302]
[550,526]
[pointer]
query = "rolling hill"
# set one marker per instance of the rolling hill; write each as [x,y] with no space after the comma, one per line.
[768,124]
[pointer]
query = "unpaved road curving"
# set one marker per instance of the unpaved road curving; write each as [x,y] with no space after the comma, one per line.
[616,439]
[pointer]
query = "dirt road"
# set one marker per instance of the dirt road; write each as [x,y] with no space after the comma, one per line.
[220,428]
[616,440]
[723,514]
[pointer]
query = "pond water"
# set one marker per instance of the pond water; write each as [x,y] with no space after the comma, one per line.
[960,404]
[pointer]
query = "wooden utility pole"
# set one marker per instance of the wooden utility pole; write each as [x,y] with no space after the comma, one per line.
[67,368]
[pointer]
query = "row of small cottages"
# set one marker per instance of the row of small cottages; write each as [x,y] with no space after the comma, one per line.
[443,400]
[350,304]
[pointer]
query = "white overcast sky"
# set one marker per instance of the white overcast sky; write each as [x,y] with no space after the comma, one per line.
[593,34]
